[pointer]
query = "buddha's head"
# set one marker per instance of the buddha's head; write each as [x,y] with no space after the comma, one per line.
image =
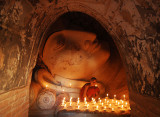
[74,54]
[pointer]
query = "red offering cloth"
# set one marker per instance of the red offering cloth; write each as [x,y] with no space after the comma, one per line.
[91,92]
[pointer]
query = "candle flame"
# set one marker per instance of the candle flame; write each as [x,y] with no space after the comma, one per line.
[124,96]
[97,107]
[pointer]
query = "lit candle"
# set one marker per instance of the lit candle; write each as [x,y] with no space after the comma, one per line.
[122,101]
[78,107]
[102,104]
[87,106]
[105,100]
[100,101]
[77,102]
[116,103]
[112,101]
[71,99]
[114,96]
[110,105]
[70,84]
[63,103]
[93,99]
[85,99]
[126,104]
[46,86]
[112,109]
[70,103]
[97,107]
[107,95]
[85,103]
[65,106]
[124,97]
[122,109]
[104,108]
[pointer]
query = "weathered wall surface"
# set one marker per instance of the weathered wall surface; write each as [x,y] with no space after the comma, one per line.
[134,26]
[15,103]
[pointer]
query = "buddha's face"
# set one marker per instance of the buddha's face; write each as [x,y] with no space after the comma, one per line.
[74,54]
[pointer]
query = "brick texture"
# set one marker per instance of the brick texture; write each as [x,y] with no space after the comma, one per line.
[15,103]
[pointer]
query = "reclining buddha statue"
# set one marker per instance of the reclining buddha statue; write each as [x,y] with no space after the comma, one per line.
[71,58]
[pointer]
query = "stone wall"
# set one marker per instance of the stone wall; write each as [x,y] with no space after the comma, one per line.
[15,103]
[133,24]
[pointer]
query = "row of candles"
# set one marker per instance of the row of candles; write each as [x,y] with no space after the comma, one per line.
[105,104]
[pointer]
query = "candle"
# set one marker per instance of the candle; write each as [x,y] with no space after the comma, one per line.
[112,109]
[107,95]
[124,97]
[70,103]
[105,100]
[100,101]
[70,84]
[110,105]
[122,101]
[46,86]
[65,106]
[71,99]
[116,103]
[85,103]
[97,107]
[77,102]
[87,106]
[114,96]
[112,101]
[78,107]
[126,104]
[122,105]
[102,104]
[122,109]
[62,101]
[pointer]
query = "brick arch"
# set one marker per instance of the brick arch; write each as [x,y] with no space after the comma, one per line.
[78,7]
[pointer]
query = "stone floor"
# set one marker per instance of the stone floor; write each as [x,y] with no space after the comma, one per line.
[38,113]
